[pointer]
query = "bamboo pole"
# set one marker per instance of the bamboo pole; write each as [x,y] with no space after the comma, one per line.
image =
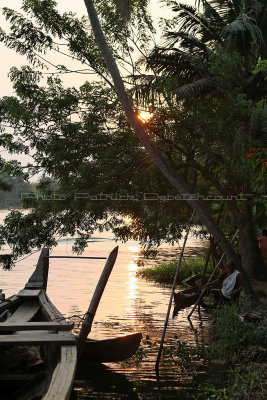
[171,295]
[88,258]
[210,278]
[88,320]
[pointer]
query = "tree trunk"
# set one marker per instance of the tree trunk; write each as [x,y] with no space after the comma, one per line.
[252,262]
[204,216]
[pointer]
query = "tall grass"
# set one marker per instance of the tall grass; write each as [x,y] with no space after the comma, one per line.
[164,273]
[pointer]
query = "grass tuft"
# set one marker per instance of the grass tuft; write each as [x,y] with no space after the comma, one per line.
[164,273]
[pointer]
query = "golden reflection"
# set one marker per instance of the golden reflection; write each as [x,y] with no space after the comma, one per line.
[132,284]
[134,249]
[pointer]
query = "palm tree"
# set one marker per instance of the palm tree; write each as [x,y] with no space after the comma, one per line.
[223,27]
[164,166]
[203,26]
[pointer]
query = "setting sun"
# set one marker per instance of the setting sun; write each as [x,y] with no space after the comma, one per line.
[144,116]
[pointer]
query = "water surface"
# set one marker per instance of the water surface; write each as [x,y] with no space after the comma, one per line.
[129,304]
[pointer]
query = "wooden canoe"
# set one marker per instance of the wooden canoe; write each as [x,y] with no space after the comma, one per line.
[31,323]
[38,349]
[111,350]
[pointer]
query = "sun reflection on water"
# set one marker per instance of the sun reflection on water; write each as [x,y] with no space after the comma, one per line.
[132,283]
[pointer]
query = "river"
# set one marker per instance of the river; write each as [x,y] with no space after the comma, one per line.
[129,304]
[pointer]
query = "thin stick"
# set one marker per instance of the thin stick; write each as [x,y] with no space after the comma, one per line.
[171,295]
[210,278]
[88,320]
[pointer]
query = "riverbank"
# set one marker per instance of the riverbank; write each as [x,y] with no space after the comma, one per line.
[238,343]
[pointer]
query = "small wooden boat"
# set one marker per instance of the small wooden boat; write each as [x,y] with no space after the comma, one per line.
[186,298]
[38,351]
[111,350]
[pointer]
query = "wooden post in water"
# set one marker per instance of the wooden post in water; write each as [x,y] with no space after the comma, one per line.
[88,320]
[171,295]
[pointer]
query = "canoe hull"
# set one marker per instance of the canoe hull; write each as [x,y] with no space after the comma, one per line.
[111,350]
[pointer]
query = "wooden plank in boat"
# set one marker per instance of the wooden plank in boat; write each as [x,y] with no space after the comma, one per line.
[25,312]
[62,380]
[28,326]
[38,339]
[29,293]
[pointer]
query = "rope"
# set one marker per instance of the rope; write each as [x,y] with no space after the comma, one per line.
[82,318]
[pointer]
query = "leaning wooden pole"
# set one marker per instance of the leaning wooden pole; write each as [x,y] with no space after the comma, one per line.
[89,317]
[210,278]
[171,295]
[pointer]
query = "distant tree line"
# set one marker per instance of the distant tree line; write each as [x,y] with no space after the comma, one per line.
[12,198]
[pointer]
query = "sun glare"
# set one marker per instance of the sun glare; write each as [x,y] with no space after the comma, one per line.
[144,116]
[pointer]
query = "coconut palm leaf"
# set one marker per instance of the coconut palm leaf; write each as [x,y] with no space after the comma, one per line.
[176,63]
[241,30]
[193,22]
[199,87]
[188,42]
[212,13]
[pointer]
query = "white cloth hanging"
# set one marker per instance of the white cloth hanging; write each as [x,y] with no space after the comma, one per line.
[229,284]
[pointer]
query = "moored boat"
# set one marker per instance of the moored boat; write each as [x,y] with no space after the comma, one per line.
[111,350]
[38,351]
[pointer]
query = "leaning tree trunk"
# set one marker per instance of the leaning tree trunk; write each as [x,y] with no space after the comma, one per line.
[204,216]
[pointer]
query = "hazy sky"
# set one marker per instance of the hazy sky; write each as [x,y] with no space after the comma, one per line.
[10,58]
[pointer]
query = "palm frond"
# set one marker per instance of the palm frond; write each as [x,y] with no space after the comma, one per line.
[175,63]
[147,89]
[193,22]
[242,29]
[212,14]
[199,87]
[189,42]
